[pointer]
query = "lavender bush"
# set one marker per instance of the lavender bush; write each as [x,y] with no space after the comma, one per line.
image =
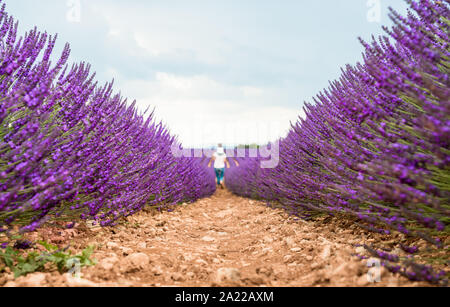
[376,144]
[69,146]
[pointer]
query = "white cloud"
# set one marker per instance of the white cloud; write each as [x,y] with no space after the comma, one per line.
[155,35]
[200,110]
[114,33]
[218,61]
[251,91]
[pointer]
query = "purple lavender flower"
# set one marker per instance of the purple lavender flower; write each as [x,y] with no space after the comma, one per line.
[23,244]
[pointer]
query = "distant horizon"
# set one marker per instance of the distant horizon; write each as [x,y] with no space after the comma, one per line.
[225,146]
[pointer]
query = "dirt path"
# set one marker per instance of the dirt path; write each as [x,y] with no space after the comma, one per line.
[223,240]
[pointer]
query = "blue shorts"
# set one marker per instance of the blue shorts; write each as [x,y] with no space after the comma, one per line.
[220,173]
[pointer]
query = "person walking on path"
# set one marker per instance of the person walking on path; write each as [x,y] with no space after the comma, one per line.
[220,160]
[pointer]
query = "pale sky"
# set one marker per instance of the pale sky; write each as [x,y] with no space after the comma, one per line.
[231,71]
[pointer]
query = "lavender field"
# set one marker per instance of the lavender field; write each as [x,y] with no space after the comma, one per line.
[373,149]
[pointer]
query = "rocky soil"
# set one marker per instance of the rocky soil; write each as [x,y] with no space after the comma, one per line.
[223,240]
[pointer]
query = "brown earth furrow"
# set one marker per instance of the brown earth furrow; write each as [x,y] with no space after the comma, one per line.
[223,240]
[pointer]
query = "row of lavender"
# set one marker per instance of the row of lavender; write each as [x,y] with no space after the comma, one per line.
[71,147]
[376,143]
